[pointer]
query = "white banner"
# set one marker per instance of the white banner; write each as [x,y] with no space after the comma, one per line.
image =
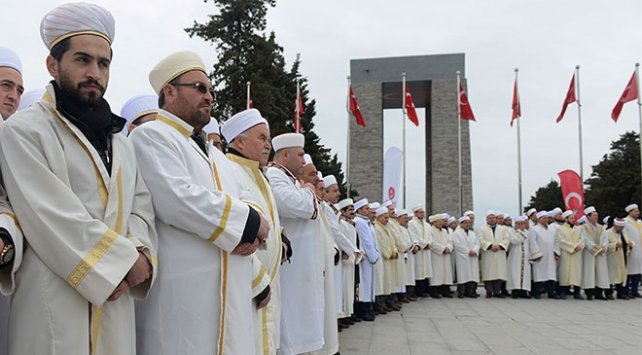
[392,165]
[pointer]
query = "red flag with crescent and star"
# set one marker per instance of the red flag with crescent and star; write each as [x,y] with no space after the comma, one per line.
[517,107]
[630,93]
[409,105]
[570,98]
[465,111]
[354,109]
[572,191]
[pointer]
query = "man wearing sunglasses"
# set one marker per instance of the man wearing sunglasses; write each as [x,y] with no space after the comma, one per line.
[203,301]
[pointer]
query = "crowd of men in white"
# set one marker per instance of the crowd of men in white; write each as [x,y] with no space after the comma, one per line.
[229,253]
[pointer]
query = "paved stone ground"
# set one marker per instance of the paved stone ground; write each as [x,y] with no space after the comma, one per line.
[501,326]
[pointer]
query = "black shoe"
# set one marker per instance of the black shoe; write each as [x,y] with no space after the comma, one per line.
[499,295]
[554,297]
[578,297]
[514,295]
[368,317]
[447,295]
[589,297]
[600,297]
[623,297]
[435,296]
[460,295]
[355,318]
[537,297]
[610,297]
[562,296]
[489,294]
[636,295]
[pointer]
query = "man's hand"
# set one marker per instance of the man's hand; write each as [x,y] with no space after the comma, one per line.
[415,249]
[118,291]
[495,247]
[245,249]
[557,257]
[577,248]
[265,301]
[618,244]
[140,271]
[428,247]
[264,229]
[344,256]
[472,253]
[446,251]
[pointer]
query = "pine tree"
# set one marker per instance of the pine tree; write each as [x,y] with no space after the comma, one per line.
[546,198]
[244,52]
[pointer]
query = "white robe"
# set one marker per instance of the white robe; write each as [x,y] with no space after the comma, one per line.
[368,242]
[570,263]
[403,244]
[442,270]
[615,256]
[409,256]
[518,263]
[594,264]
[467,267]
[348,270]
[200,220]
[634,261]
[302,280]
[420,233]
[256,192]
[83,228]
[493,264]
[543,244]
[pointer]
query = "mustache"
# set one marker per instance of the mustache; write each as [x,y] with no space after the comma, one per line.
[92,82]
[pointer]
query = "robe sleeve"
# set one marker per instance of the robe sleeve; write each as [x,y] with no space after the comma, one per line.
[291,201]
[461,247]
[437,247]
[590,244]
[476,245]
[536,252]
[367,244]
[485,244]
[260,276]
[564,242]
[9,222]
[80,249]
[505,240]
[344,244]
[514,237]
[182,203]
[384,244]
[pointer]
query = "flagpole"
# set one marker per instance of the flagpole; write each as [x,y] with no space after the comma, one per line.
[519,148]
[403,125]
[461,211]
[637,82]
[247,100]
[579,119]
[348,142]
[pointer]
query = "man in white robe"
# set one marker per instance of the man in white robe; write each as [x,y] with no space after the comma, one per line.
[466,255]
[634,261]
[442,249]
[518,280]
[202,302]
[248,134]
[494,243]
[368,242]
[532,217]
[618,252]
[11,90]
[571,244]
[349,276]
[545,254]
[405,263]
[595,275]
[75,187]
[138,110]
[419,231]
[302,279]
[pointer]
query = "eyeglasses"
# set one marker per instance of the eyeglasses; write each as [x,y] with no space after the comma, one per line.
[202,88]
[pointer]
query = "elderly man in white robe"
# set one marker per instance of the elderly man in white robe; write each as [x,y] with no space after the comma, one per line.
[83,207]
[634,261]
[248,134]
[571,244]
[407,264]
[618,252]
[346,208]
[545,254]
[368,242]
[442,249]
[595,274]
[11,90]
[419,231]
[494,243]
[199,217]
[402,246]
[302,279]
[466,255]
[518,280]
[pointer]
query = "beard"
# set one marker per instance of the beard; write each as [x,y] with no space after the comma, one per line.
[89,99]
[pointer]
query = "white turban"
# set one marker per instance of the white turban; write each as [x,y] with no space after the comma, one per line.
[468,213]
[491,213]
[400,212]
[74,19]
[212,127]
[434,218]
[541,214]
[288,140]
[374,205]
[361,203]
[555,211]
[451,220]
[589,210]
[329,180]
[241,122]
[307,159]
[387,203]
[520,218]
[173,66]
[631,207]
[381,210]
[605,220]
[320,176]
[530,212]
[345,203]
[464,219]
[619,222]
[30,97]
[417,208]
[137,107]
[10,59]
[567,214]
[582,220]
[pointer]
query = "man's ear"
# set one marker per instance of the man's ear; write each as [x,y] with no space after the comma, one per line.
[170,93]
[52,66]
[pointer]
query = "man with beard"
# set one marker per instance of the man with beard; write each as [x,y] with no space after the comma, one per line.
[76,189]
[519,259]
[368,242]
[571,244]
[350,267]
[494,243]
[466,256]
[634,261]
[545,254]
[403,218]
[419,231]
[203,299]
[442,248]
[618,252]
[595,275]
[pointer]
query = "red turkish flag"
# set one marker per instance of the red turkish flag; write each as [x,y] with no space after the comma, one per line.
[570,98]
[572,191]
[630,93]
[465,111]
[409,105]
[354,109]
[298,110]
[517,107]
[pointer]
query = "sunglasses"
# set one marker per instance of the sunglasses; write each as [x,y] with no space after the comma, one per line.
[202,88]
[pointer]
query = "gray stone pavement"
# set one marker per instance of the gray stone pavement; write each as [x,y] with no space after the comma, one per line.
[501,326]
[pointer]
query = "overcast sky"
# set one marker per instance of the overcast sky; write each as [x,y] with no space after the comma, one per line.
[545,39]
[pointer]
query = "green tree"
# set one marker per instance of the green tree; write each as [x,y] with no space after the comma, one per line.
[546,198]
[244,52]
[615,181]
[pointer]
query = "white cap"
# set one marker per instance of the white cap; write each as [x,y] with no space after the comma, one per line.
[30,97]
[329,180]
[491,213]
[551,214]
[387,203]
[499,214]
[381,210]
[10,59]
[631,207]
[581,220]
[589,210]
[567,214]
[361,203]
[345,203]
[506,215]
[320,176]
[307,159]
[556,210]
[451,220]
[433,218]
[530,212]
[468,213]
[374,205]
[605,220]
[288,140]
[464,219]
[541,214]
[77,18]
[400,212]
[173,66]
[241,122]
[138,106]
[212,127]
[520,218]
[417,208]
[619,222]
[444,216]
